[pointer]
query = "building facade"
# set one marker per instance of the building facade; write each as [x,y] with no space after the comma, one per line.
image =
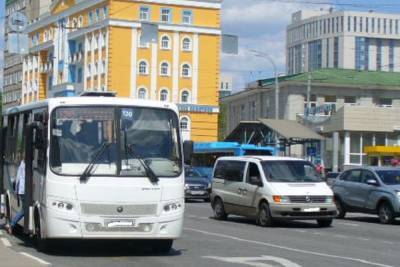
[12,69]
[352,109]
[95,45]
[343,39]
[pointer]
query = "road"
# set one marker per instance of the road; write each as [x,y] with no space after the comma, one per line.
[358,240]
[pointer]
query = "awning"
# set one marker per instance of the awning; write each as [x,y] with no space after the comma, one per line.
[291,129]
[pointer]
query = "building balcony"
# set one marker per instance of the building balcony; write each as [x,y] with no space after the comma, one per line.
[46,67]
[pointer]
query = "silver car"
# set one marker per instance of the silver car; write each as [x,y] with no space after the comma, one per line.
[374,190]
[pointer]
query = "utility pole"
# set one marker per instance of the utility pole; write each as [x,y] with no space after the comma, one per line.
[308,94]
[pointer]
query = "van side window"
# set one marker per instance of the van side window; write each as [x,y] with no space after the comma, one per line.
[252,171]
[230,170]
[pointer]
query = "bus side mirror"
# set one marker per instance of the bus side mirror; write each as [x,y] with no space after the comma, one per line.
[187,152]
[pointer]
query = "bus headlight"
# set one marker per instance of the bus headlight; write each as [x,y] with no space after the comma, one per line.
[61,205]
[171,207]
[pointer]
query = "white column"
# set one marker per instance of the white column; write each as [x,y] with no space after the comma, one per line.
[84,72]
[195,68]
[55,58]
[92,60]
[346,148]
[335,152]
[99,60]
[175,68]
[153,71]
[134,42]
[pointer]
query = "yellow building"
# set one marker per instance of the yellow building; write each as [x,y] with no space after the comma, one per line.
[94,45]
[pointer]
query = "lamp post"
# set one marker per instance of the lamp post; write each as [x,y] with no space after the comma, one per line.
[269,58]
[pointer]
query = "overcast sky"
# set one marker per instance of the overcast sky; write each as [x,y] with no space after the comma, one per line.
[260,25]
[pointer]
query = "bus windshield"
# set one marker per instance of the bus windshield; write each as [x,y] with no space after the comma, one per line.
[78,133]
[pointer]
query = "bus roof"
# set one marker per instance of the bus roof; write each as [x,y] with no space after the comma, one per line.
[217,146]
[92,101]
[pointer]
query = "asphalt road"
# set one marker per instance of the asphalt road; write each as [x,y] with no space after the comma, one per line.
[358,240]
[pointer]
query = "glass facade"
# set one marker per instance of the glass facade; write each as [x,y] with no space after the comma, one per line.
[314,55]
[362,53]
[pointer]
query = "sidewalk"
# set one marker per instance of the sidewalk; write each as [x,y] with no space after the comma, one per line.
[11,258]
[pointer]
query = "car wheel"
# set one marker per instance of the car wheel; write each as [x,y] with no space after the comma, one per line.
[162,246]
[8,214]
[385,213]
[341,209]
[264,217]
[324,222]
[42,245]
[219,210]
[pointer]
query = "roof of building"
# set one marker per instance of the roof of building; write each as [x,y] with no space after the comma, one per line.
[291,129]
[342,77]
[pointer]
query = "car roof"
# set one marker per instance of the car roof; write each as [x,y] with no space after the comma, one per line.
[260,158]
[375,168]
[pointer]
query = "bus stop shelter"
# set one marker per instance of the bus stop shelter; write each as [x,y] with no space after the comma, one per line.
[279,133]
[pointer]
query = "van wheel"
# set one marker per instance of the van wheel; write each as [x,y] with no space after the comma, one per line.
[385,213]
[324,222]
[264,217]
[341,210]
[219,210]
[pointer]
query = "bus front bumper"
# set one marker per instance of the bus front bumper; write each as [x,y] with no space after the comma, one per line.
[59,225]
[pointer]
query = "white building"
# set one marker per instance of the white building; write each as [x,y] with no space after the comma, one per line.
[343,39]
[226,85]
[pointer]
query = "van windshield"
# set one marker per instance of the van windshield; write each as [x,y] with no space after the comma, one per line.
[290,171]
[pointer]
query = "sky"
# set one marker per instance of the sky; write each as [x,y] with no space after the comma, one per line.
[260,25]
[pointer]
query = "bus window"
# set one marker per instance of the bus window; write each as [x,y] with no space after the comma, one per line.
[256,152]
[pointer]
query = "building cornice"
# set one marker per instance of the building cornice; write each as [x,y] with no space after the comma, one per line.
[214,4]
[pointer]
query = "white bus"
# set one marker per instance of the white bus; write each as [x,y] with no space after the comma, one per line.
[96,168]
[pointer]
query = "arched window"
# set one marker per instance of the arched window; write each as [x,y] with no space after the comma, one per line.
[142,93]
[185,97]
[186,44]
[185,70]
[164,95]
[164,70]
[143,67]
[165,42]
[184,124]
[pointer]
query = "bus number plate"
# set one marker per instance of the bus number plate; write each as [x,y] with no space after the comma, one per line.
[120,223]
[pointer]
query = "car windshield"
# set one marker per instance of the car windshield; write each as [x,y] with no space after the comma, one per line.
[390,177]
[290,171]
[78,133]
[190,172]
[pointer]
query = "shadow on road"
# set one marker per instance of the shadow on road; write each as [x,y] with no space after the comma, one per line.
[278,223]
[95,248]
[368,219]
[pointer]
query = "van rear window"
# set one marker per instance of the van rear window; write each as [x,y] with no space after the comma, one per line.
[230,170]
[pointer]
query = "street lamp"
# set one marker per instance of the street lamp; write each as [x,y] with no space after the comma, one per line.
[269,58]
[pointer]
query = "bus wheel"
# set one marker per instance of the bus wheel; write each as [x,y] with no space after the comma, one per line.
[162,246]
[8,214]
[42,244]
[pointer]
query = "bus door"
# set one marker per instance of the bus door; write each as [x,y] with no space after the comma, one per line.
[35,167]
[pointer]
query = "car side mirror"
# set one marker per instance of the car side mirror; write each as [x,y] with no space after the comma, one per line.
[254,180]
[372,182]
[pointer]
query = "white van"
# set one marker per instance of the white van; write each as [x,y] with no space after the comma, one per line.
[268,188]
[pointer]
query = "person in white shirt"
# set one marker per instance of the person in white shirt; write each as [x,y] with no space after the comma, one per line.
[20,190]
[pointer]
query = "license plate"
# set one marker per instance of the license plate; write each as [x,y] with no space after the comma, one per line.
[120,223]
[311,209]
[197,192]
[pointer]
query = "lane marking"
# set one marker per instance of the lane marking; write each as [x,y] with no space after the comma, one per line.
[35,258]
[348,224]
[387,242]
[367,262]
[340,236]
[256,261]
[5,241]
[363,239]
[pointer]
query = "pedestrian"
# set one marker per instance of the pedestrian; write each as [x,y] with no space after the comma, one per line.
[20,191]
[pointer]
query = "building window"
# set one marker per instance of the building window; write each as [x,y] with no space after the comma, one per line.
[385,102]
[362,53]
[354,24]
[164,95]
[361,24]
[164,69]
[97,14]
[391,55]
[314,55]
[384,26]
[90,17]
[185,97]
[143,69]
[186,44]
[165,42]
[187,17]
[349,24]
[80,21]
[350,100]
[367,25]
[396,23]
[379,26]
[184,124]
[166,15]
[144,13]
[379,54]
[142,93]
[373,25]
[186,70]
[391,26]
[105,11]
[336,52]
